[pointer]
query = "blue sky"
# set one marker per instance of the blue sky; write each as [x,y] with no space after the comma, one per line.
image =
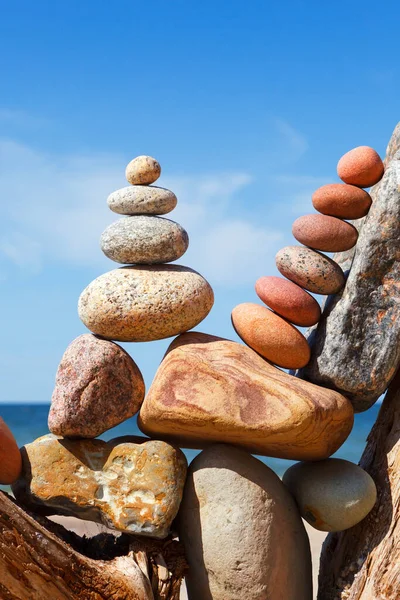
[247,106]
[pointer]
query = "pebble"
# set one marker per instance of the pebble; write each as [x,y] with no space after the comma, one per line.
[325,233]
[208,389]
[311,270]
[143,170]
[288,300]
[271,336]
[142,304]
[361,166]
[242,533]
[142,200]
[144,239]
[129,484]
[10,456]
[98,386]
[342,201]
[333,494]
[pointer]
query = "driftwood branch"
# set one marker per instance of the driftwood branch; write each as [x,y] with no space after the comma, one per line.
[363,563]
[40,560]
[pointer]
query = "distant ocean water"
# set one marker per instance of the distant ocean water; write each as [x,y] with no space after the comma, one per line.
[29,421]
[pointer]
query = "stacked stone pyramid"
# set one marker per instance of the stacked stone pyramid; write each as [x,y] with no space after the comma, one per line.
[239,523]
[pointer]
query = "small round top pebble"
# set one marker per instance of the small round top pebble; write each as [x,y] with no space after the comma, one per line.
[143,170]
[361,166]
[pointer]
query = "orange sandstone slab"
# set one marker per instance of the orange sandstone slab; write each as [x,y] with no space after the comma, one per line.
[208,389]
[10,456]
[310,269]
[362,166]
[342,201]
[270,335]
[288,300]
[325,233]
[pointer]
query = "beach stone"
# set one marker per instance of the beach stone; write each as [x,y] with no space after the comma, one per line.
[288,300]
[332,494]
[142,200]
[130,484]
[342,201]
[143,170]
[325,233]
[243,535]
[271,336]
[356,346]
[144,239]
[10,456]
[142,304]
[208,389]
[361,166]
[310,269]
[98,386]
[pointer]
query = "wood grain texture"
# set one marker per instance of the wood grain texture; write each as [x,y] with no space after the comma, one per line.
[37,564]
[363,563]
[208,389]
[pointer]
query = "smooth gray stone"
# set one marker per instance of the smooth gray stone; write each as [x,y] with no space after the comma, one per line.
[355,348]
[144,240]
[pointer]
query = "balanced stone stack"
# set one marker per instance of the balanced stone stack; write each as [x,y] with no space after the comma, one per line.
[129,484]
[240,524]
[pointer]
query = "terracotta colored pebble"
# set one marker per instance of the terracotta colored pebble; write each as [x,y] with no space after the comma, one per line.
[10,456]
[288,300]
[271,336]
[311,270]
[325,233]
[362,166]
[342,201]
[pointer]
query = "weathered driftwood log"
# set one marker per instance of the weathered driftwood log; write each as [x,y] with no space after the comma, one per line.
[363,563]
[40,560]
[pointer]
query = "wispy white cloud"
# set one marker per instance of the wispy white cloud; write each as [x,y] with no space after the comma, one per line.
[296,142]
[53,209]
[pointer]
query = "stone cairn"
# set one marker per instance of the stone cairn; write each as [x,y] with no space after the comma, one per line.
[240,524]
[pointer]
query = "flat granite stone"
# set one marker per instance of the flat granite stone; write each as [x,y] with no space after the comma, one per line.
[144,240]
[355,348]
[208,389]
[142,200]
[145,303]
[310,269]
[98,386]
[243,535]
[130,484]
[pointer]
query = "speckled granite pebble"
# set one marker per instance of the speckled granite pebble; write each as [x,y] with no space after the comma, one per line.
[342,201]
[142,200]
[311,270]
[142,304]
[143,170]
[332,494]
[361,166]
[129,484]
[144,240]
[98,386]
[325,233]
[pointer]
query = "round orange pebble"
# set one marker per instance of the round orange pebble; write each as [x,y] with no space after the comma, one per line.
[271,336]
[325,233]
[362,166]
[10,456]
[342,200]
[288,300]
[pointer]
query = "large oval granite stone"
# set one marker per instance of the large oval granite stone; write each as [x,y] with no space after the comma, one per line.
[208,389]
[145,303]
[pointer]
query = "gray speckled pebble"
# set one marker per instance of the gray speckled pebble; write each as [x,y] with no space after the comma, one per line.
[142,200]
[144,240]
[311,270]
[142,304]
